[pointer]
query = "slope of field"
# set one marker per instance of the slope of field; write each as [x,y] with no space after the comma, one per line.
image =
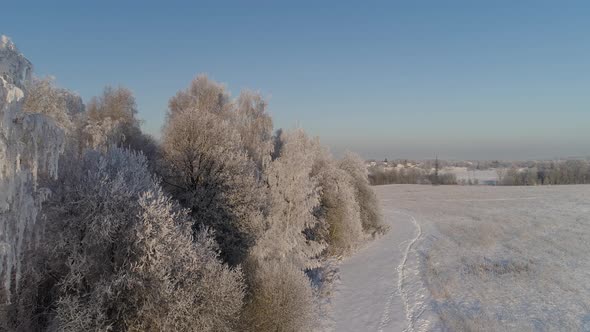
[479,258]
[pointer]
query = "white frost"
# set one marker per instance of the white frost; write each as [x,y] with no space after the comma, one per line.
[30,144]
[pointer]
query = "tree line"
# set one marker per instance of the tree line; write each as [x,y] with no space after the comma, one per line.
[525,173]
[546,173]
[214,228]
[416,175]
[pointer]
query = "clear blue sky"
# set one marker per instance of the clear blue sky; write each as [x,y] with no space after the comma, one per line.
[411,79]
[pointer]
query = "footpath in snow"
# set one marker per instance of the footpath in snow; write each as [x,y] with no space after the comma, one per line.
[377,290]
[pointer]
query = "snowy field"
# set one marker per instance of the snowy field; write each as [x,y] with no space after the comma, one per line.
[472,258]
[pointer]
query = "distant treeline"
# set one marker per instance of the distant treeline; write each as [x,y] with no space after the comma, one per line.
[546,173]
[381,176]
[522,173]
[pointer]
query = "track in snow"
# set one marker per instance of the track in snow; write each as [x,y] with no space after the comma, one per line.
[400,291]
[373,292]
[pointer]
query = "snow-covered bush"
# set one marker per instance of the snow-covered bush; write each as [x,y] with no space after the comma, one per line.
[339,211]
[281,299]
[369,206]
[120,255]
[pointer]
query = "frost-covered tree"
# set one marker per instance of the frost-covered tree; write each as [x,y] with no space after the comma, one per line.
[30,145]
[59,104]
[255,127]
[64,107]
[118,104]
[208,171]
[202,94]
[119,255]
[248,114]
[366,198]
[111,119]
[218,163]
[293,199]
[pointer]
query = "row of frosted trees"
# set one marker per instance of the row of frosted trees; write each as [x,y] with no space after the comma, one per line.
[215,228]
[379,176]
[547,173]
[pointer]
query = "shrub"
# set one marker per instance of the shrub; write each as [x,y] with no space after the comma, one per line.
[339,211]
[366,198]
[281,299]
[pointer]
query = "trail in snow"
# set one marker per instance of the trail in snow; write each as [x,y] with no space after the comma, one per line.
[379,288]
[400,291]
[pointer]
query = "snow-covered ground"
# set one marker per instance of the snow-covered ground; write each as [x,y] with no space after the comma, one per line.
[367,298]
[472,258]
[483,176]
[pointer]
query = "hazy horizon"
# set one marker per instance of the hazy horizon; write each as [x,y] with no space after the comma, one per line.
[459,80]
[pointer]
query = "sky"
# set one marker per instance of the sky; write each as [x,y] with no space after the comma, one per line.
[390,79]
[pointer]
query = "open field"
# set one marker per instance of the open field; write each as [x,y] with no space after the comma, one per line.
[498,258]
[479,258]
